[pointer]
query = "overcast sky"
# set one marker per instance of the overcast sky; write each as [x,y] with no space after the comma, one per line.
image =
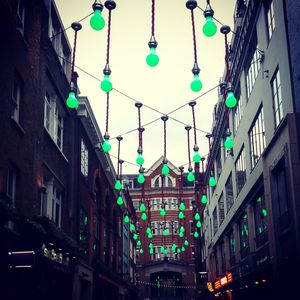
[164,87]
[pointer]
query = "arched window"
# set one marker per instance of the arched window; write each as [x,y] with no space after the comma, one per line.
[167,181]
[157,182]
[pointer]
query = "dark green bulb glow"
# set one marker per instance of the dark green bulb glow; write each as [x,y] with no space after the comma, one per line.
[142,207]
[126,219]
[141,251]
[97,22]
[181,215]
[72,101]
[151,251]
[118,185]
[166,232]
[106,84]
[144,216]
[139,243]
[228,144]
[162,212]
[181,234]
[140,159]
[165,169]
[120,200]
[196,157]
[151,245]
[198,224]
[162,249]
[182,249]
[196,84]
[178,250]
[182,206]
[190,177]
[166,251]
[212,181]
[150,235]
[186,242]
[152,59]
[230,100]
[209,28]
[264,212]
[196,234]
[182,229]
[141,178]
[203,199]
[132,227]
[197,217]
[135,236]
[148,230]
[106,147]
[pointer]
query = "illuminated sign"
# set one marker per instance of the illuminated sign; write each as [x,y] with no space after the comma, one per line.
[57,257]
[223,281]
[210,286]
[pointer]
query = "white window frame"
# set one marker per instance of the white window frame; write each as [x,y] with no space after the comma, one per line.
[21,16]
[277,97]
[11,184]
[270,20]
[16,97]
[84,166]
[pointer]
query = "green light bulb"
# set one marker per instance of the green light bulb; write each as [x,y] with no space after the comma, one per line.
[182,249]
[196,157]
[198,224]
[135,236]
[144,216]
[120,200]
[196,84]
[181,215]
[118,185]
[152,59]
[228,144]
[151,251]
[148,230]
[126,219]
[197,216]
[132,227]
[142,207]
[166,232]
[165,169]
[203,199]
[106,147]
[72,101]
[173,247]
[150,235]
[141,251]
[182,229]
[162,249]
[139,243]
[166,251]
[181,234]
[196,234]
[230,101]
[178,250]
[97,22]
[190,177]
[140,159]
[141,178]
[212,181]
[186,242]
[106,84]
[162,212]
[182,206]
[151,245]
[264,212]
[209,28]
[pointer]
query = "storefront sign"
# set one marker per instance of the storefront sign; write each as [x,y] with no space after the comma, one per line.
[223,281]
[51,254]
[210,286]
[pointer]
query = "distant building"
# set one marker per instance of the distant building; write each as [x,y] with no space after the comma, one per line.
[252,241]
[168,272]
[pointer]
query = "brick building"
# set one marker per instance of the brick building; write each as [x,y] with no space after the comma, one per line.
[166,272]
[62,234]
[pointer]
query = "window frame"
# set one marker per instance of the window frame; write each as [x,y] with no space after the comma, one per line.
[242,163]
[84,159]
[17,95]
[277,97]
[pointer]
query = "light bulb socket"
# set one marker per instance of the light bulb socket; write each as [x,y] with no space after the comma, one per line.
[141,129]
[97,6]
[196,148]
[76,26]
[138,104]
[119,138]
[230,87]
[196,69]
[228,132]
[208,13]
[152,43]
[141,170]
[181,168]
[110,4]
[73,88]
[191,4]
[190,169]
[188,127]
[192,103]
[164,118]
[225,29]
[107,70]
[106,136]
[140,150]
[165,161]
[121,161]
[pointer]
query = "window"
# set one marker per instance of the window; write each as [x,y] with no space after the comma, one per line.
[218,165]
[84,159]
[21,16]
[83,232]
[51,201]
[223,256]
[167,181]
[253,66]
[270,18]
[237,113]
[96,236]
[215,221]
[53,119]
[11,185]
[221,209]
[192,227]
[277,97]
[231,248]
[260,217]
[16,97]
[240,169]
[229,193]
[257,138]
[136,205]
[244,235]
[280,195]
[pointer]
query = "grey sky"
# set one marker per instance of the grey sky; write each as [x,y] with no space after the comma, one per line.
[164,87]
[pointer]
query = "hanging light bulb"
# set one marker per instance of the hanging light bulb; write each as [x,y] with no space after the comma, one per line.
[118,185]
[209,28]
[141,178]
[135,236]
[143,207]
[106,84]
[166,232]
[140,159]
[186,242]
[212,181]
[141,251]
[190,176]
[230,101]
[181,215]
[151,245]
[150,235]
[203,199]
[120,200]
[126,219]
[196,234]
[162,249]
[166,251]
[178,250]
[182,206]
[144,216]
[196,84]
[106,147]
[152,59]
[72,101]
[138,243]
[197,216]
[196,156]
[173,247]
[132,227]
[165,169]
[97,22]
[151,251]
[148,230]
[162,212]
[182,229]
[182,249]
[181,234]
[228,144]
[198,224]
